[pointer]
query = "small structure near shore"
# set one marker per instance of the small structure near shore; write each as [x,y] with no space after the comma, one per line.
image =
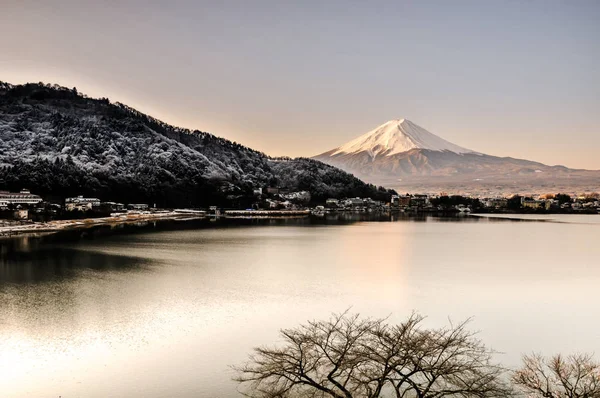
[137,206]
[80,203]
[266,213]
[21,214]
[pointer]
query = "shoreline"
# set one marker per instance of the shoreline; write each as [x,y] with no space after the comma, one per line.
[50,227]
[61,225]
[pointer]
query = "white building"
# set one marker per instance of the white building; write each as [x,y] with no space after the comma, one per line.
[22,198]
[137,206]
[80,203]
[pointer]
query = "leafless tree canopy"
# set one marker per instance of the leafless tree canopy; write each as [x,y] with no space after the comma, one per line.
[348,356]
[576,376]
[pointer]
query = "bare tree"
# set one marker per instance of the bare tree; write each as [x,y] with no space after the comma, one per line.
[447,362]
[348,357]
[575,376]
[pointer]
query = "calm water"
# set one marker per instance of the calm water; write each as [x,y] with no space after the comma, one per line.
[162,311]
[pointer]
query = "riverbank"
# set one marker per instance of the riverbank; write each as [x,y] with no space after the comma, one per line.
[17,228]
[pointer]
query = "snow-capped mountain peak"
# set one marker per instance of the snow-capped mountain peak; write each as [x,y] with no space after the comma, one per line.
[401,154]
[397,136]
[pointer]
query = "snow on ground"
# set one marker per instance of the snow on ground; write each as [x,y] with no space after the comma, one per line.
[397,136]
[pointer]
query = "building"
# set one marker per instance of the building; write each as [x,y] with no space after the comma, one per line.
[496,203]
[372,203]
[535,204]
[24,198]
[111,206]
[354,202]
[400,200]
[78,206]
[137,206]
[21,214]
[80,203]
[419,201]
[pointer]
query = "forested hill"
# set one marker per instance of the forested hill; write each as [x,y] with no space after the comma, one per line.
[58,142]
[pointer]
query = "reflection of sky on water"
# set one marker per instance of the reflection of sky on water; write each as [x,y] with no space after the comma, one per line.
[165,313]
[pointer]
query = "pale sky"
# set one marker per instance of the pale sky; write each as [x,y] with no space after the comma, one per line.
[507,78]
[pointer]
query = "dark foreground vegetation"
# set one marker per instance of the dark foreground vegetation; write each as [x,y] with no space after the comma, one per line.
[348,356]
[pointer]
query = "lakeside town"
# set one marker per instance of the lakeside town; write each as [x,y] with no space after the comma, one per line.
[25,211]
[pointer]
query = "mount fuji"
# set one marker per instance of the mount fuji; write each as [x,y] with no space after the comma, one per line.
[405,156]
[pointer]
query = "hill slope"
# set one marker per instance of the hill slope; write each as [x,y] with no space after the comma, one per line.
[58,142]
[405,156]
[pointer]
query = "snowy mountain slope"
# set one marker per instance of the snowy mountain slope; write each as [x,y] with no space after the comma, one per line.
[397,136]
[58,142]
[403,155]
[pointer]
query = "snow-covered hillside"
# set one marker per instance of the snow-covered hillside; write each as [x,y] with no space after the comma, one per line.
[58,142]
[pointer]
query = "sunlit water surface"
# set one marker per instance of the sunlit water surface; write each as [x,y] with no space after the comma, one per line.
[158,312]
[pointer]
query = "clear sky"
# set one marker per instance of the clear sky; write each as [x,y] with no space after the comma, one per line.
[509,78]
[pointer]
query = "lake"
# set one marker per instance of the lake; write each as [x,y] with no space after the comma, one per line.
[163,310]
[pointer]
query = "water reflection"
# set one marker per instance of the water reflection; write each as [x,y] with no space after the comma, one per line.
[30,260]
[162,309]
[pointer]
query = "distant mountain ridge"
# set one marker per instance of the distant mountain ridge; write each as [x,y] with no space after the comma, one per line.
[405,156]
[59,142]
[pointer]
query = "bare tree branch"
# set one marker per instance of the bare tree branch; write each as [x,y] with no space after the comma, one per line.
[348,356]
[576,376]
